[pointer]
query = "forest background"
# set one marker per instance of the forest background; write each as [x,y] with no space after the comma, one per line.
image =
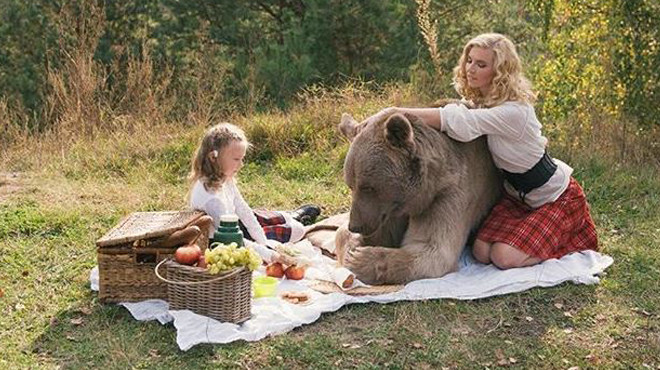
[102,104]
[83,66]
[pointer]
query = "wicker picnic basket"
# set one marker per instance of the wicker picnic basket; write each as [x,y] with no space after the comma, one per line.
[226,297]
[126,260]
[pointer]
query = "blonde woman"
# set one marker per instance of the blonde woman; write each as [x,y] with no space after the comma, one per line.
[544,213]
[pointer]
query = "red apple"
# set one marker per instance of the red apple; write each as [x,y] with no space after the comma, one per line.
[275,269]
[188,254]
[202,262]
[294,272]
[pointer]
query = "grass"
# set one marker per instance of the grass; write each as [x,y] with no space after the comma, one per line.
[66,197]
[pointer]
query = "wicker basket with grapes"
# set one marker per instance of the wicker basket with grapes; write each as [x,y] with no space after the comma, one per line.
[220,290]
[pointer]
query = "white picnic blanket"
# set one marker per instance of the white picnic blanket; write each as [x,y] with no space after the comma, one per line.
[272,316]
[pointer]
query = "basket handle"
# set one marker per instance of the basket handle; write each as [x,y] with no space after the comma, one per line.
[222,277]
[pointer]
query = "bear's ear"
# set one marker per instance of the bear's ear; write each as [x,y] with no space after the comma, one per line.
[349,127]
[399,132]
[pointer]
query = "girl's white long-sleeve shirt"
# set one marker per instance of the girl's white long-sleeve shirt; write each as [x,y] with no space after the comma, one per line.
[515,141]
[228,200]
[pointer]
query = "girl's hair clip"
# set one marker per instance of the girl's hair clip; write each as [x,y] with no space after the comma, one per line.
[214,154]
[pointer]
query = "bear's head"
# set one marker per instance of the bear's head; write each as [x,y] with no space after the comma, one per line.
[393,168]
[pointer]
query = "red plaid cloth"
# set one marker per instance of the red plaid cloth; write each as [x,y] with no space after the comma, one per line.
[267,218]
[550,231]
[274,225]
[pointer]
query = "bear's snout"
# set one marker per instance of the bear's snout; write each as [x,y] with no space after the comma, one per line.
[354,228]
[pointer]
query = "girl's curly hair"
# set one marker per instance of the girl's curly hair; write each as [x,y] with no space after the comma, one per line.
[205,166]
[509,82]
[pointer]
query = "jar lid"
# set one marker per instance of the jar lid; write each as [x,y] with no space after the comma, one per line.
[229,218]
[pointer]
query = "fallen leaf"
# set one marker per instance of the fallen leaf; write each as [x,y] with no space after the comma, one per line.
[279,358]
[154,353]
[355,346]
[417,345]
[508,342]
[568,330]
[574,368]
[345,345]
[512,360]
[559,306]
[503,362]
[19,306]
[529,318]
[2,293]
[77,321]
[71,338]
[568,314]
[86,311]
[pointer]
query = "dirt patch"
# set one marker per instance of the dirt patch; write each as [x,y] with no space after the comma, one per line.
[10,182]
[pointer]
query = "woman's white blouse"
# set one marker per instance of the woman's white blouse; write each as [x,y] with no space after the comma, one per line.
[514,139]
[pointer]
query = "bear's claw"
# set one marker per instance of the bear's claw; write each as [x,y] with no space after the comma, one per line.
[378,265]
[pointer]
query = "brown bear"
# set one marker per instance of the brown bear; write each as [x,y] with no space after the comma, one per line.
[416,196]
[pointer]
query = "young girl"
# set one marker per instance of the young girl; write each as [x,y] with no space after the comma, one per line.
[215,164]
[544,213]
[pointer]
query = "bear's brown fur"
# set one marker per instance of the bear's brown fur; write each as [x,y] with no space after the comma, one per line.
[414,187]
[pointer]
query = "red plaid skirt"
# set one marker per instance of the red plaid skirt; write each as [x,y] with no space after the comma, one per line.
[274,225]
[550,231]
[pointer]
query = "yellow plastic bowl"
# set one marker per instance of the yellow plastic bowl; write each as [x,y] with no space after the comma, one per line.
[264,286]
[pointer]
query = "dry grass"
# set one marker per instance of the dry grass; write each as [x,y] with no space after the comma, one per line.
[428,27]
[615,140]
[73,103]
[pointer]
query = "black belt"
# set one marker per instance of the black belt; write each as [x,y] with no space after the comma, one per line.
[534,177]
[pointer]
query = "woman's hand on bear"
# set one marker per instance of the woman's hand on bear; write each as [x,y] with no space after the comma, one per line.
[384,113]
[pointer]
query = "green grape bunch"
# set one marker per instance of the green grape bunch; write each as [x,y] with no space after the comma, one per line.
[226,257]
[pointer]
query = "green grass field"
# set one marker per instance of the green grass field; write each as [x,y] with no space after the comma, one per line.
[64,196]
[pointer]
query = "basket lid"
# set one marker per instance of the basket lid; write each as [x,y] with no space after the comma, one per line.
[144,225]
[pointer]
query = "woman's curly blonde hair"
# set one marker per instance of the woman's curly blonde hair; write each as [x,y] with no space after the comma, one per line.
[204,162]
[509,82]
